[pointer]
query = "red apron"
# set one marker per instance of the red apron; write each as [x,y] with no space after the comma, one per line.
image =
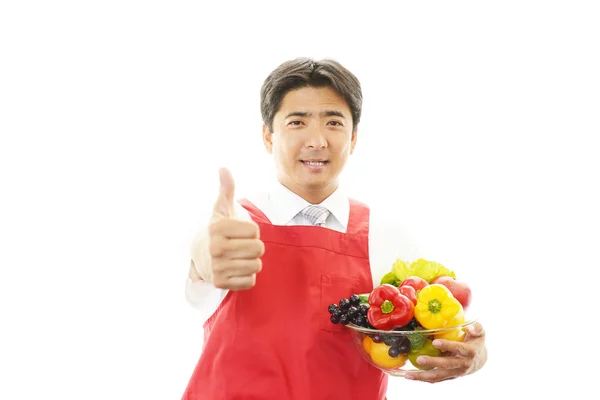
[275,341]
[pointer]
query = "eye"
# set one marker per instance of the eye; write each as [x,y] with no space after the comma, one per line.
[336,123]
[295,123]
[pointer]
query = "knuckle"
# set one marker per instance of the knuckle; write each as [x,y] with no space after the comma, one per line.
[468,365]
[440,376]
[259,265]
[216,248]
[253,266]
[249,281]
[463,351]
[215,228]
[219,282]
[456,365]
[260,248]
[248,229]
[255,229]
[246,282]
[217,269]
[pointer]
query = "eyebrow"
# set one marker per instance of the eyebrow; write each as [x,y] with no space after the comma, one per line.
[328,113]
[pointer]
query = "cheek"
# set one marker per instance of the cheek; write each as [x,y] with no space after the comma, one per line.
[286,150]
[290,148]
[344,149]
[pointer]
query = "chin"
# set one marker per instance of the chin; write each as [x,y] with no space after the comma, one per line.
[319,183]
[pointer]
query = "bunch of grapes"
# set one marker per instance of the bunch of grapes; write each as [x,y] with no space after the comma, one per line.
[350,311]
[398,344]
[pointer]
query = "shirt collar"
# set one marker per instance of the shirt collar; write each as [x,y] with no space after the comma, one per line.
[287,204]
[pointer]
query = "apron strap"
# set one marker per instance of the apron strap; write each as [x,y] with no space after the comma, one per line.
[257,215]
[358,221]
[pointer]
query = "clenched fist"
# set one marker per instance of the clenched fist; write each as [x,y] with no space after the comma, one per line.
[234,246]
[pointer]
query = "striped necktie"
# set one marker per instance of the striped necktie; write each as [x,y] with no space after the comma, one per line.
[315,215]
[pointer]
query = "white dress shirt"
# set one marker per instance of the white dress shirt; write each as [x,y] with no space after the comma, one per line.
[388,240]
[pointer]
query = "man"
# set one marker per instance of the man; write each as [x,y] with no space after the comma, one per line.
[267,268]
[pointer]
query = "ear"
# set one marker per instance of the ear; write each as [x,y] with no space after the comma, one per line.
[267,139]
[353,140]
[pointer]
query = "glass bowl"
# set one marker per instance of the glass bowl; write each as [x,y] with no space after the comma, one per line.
[374,346]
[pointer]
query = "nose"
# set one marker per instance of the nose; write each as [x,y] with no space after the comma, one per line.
[316,139]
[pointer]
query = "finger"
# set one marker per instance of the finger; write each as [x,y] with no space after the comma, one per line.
[236,283]
[234,229]
[445,362]
[245,249]
[475,330]
[231,249]
[460,348]
[432,376]
[234,268]
[224,204]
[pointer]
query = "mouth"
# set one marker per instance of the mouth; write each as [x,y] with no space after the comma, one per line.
[314,162]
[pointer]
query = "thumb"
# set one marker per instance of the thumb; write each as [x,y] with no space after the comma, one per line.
[224,203]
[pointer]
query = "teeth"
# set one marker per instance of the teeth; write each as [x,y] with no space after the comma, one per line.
[315,163]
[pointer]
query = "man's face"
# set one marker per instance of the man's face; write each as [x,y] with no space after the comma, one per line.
[311,140]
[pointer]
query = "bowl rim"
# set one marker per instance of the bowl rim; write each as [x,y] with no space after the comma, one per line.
[410,332]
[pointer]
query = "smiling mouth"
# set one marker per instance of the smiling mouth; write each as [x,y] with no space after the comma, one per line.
[314,163]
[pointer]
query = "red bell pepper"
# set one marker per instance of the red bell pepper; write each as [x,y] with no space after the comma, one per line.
[388,308]
[409,292]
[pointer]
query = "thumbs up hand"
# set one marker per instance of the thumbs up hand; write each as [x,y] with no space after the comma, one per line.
[234,245]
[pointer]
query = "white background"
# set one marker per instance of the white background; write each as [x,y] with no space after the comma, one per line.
[116,115]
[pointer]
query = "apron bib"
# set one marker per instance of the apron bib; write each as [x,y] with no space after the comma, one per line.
[275,341]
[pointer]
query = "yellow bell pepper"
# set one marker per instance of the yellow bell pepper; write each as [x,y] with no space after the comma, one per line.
[436,307]
[458,334]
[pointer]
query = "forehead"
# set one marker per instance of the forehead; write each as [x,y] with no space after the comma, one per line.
[312,99]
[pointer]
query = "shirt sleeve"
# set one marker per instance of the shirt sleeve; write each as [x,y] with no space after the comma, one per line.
[204,297]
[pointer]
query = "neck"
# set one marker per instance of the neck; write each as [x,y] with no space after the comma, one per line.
[312,195]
